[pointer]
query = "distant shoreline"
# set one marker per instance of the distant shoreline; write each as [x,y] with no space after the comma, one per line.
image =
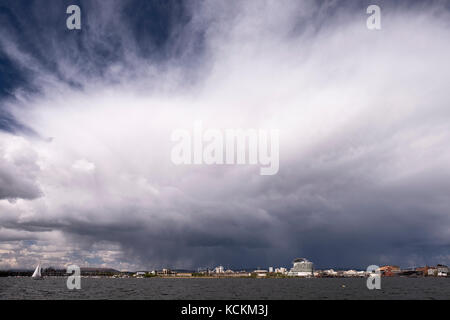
[227,277]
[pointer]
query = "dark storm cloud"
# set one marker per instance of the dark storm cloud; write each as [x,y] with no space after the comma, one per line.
[363,160]
[17,171]
[14,186]
[37,45]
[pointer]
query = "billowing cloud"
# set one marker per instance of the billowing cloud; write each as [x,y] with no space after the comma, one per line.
[18,169]
[363,118]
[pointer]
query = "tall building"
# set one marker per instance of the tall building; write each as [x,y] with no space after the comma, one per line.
[219,269]
[302,268]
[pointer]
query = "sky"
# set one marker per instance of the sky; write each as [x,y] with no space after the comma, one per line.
[86,118]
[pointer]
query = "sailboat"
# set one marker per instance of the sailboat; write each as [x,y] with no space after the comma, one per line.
[37,273]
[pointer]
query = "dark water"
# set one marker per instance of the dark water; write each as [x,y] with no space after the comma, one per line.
[235,289]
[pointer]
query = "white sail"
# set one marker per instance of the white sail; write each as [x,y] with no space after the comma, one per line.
[37,272]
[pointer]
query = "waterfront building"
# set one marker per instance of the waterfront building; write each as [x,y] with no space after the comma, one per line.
[362,274]
[261,275]
[219,269]
[442,271]
[140,274]
[281,270]
[350,273]
[270,269]
[354,273]
[260,271]
[184,274]
[301,268]
[389,271]
[165,272]
[422,271]
[330,273]
[432,272]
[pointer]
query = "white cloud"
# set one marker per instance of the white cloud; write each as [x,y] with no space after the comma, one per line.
[83,165]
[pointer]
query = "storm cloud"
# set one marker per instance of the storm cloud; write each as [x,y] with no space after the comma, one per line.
[85,169]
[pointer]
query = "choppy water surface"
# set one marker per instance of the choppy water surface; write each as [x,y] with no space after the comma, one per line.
[199,289]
